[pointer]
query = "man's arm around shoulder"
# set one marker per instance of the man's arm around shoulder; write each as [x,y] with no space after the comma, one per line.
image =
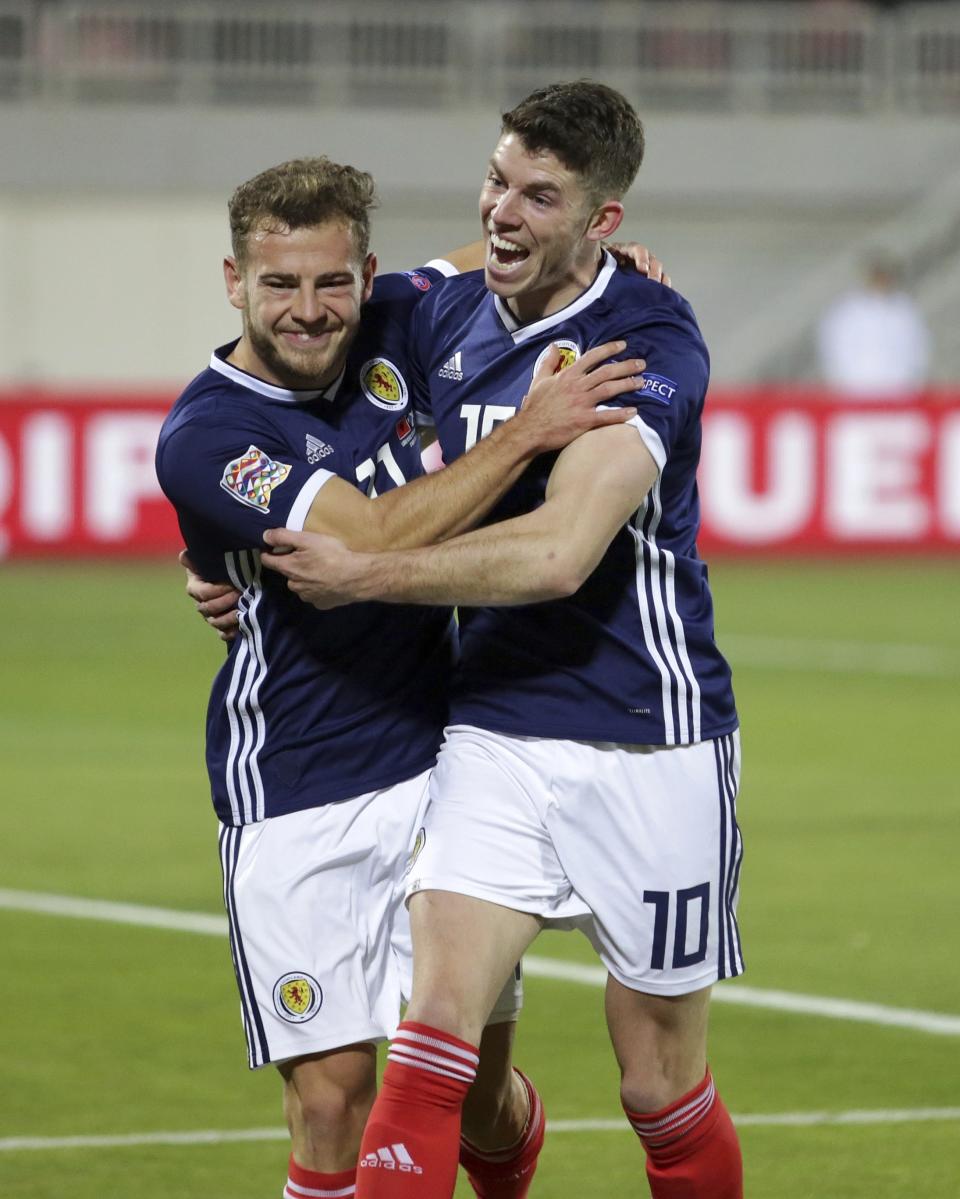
[558,408]
[596,484]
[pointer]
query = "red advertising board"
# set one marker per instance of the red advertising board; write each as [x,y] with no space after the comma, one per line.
[801,472]
[77,477]
[782,471]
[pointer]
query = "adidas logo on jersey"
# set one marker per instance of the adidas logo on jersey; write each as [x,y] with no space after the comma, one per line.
[452,368]
[390,1157]
[317,449]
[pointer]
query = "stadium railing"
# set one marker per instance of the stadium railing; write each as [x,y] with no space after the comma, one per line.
[849,58]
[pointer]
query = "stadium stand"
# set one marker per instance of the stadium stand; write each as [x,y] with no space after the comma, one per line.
[847,57]
[783,140]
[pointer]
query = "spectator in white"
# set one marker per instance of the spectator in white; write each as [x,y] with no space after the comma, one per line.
[873,343]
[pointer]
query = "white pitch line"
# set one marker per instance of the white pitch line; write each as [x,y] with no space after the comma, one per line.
[781,1001]
[841,657]
[788,1119]
[135,1140]
[938,1023]
[114,913]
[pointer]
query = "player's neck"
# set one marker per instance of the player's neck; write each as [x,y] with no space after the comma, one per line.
[245,358]
[538,304]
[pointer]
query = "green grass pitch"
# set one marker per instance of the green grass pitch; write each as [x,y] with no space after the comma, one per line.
[848,681]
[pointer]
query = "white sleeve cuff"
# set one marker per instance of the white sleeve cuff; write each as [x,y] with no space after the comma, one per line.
[651,439]
[308,493]
[444,267]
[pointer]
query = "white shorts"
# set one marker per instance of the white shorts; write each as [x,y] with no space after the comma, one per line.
[636,846]
[319,934]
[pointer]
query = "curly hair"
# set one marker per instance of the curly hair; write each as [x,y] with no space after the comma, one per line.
[300,193]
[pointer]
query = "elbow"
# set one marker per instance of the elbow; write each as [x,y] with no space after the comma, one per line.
[564,574]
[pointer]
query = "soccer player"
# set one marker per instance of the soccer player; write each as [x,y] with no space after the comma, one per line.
[322,726]
[589,773]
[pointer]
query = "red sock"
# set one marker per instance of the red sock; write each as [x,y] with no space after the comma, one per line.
[692,1147]
[309,1184]
[507,1173]
[409,1147]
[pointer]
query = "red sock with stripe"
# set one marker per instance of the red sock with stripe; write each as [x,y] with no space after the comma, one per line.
[692,1147]
[410,1144]
[507,1173]
[312,1184]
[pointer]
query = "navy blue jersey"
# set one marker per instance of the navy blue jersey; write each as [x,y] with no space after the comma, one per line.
[310,707]
[630,657]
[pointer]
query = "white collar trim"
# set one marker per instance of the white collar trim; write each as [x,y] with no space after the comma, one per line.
[521,333]
[284,394]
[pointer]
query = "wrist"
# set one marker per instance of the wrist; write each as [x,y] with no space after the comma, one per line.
[372,575]
[523,433]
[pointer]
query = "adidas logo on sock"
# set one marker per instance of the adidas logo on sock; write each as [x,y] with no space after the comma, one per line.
[452,368]
[391,1157]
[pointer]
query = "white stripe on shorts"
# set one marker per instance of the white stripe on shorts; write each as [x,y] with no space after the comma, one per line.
[258,1050]
[729,954]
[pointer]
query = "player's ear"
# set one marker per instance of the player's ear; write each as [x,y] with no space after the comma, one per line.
[605,220]
[233,279]
[369,270]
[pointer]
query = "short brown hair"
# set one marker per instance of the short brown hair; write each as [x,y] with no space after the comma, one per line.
[591,128]
[301,193]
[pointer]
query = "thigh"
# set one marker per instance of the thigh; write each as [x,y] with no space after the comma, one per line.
[464,951]
[317,928]
[485,832]
[650,842]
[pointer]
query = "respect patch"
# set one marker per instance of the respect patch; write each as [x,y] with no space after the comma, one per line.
[658,387]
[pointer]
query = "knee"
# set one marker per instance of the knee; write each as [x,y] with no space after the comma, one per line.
[659,1081]
[329,1110]
[662,1069]
[448,1013]
[643,1090]
[325,1109]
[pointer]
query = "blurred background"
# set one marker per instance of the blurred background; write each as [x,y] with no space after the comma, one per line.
[802,184]
[797,151]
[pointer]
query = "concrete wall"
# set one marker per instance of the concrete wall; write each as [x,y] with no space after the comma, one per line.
[112,222]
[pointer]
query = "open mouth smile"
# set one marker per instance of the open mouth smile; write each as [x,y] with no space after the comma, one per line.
[505,255]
